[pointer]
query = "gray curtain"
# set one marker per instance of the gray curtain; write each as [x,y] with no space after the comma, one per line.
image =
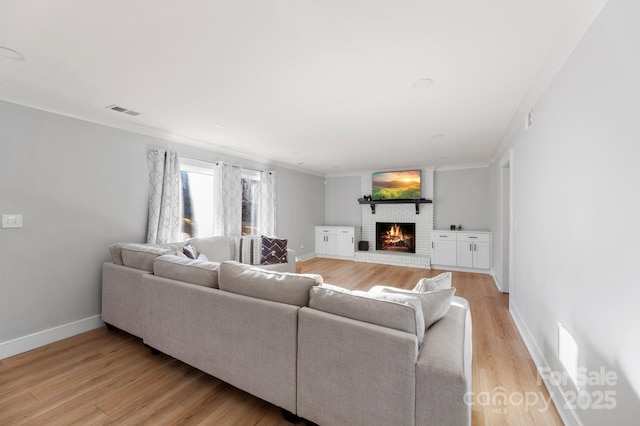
[164,196]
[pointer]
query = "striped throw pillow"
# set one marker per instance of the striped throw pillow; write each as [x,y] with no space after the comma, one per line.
[248,250]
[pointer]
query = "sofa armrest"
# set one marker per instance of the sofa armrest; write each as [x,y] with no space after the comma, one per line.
[353,372]
[443,370]
[122,297]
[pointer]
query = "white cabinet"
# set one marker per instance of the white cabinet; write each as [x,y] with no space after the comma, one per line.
[337,241]
[346,241]
[474,250]
[461,249]
[443,248]
[326,240]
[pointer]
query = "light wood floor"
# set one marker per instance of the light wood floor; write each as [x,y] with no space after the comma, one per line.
[103,377]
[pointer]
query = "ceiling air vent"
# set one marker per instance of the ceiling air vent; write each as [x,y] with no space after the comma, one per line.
[120,109]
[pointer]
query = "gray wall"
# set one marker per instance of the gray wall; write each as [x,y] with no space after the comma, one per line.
[576,209]
[461,198]
[82,187]
[341,206]
[301,206]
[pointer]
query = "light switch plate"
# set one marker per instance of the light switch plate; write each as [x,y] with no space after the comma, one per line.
[12,221]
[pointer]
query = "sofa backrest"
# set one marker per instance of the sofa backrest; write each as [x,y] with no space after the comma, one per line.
[141,256]
[283,287]
[194,271]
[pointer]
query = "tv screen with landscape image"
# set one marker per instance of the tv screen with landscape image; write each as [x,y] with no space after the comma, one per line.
[403,185]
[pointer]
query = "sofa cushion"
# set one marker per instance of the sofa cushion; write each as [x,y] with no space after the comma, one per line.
[217,249]
[440,282]
[397,311]
[274,250]
[141,256]
[116,249]
[435,304]
[282,287]
[194,271]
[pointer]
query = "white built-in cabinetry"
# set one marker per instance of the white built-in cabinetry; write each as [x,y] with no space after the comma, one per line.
[461,249]
[443,248]
[338,241]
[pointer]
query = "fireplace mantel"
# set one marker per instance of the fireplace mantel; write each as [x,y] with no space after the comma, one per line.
[398,211]
[372,203]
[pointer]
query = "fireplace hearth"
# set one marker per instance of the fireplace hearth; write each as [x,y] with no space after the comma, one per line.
[397,237]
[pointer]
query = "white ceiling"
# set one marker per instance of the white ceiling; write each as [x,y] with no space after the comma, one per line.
[327,83]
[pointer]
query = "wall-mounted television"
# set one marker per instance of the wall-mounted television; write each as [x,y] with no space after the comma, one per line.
[402,185]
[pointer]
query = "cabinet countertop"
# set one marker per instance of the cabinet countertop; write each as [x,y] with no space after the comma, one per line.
[463,230]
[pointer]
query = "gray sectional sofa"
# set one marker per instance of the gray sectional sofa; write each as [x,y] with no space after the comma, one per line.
[322,353]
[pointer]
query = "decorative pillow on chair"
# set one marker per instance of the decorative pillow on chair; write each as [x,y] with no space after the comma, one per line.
[441,282]
[190,251]
[274,250]
[248,250]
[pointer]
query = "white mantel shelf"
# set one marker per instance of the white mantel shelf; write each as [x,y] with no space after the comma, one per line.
[372,203]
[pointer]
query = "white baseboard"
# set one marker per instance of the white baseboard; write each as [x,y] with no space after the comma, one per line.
[307,256]
[460,269]
[569,417]
[46,337]
[497,281]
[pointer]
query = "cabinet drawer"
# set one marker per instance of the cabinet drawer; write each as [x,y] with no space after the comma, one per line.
[443,236]
[349,232]
[471,236]
[326,230]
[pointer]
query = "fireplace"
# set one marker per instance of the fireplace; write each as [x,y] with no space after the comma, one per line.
[399,237]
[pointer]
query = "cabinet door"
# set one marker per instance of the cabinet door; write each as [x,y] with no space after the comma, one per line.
[481,255]
[332,246]
[345,245]
[326,244]
[325,240]
[465,254]
[444,253]
[321,243]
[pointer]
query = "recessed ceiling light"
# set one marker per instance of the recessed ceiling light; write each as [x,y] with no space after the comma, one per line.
[218,126]
[302,163]
[444,157]
[438,136]
[11,54]
[422,83]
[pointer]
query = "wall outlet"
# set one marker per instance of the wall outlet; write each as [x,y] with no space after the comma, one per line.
[12,221]
[301,247]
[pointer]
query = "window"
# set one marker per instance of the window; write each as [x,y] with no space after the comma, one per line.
[204,213]
[250,202]
[196,202]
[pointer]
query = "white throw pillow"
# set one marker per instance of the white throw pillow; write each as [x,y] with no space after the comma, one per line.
[400,312]
[435,304]
[440,282]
